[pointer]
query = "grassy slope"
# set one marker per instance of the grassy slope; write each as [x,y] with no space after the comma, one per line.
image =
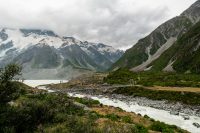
[150,79]
[189,54]
[43,112]
[123,76]
[189,98]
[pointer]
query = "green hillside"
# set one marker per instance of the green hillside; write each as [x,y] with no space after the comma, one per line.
[175,40]
[185,53]
[138,54]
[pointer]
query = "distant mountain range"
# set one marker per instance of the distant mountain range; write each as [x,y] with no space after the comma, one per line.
[173,46]
[46,55]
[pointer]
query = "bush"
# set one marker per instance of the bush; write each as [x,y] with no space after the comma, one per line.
[9,90]
[146,116]
[112,117]
[88,102]
[127,119]
[162,127]
[141,129]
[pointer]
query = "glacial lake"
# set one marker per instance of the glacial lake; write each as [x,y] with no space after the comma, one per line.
[35,83]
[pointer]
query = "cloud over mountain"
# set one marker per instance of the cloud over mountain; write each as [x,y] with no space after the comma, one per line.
[119,23]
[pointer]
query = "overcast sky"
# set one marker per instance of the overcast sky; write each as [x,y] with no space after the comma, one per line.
[119,23]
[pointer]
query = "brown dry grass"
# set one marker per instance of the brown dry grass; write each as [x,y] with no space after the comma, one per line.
[111,110]
[179,89]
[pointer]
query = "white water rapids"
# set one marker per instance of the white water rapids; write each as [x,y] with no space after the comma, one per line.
[157,114]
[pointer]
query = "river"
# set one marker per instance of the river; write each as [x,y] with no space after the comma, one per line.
[157,114]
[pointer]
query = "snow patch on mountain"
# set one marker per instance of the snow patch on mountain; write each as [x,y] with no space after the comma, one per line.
[20,41]
[44,51]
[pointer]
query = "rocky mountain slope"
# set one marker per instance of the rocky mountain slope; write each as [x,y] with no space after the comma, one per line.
[183,55]
[44,54]
[143,54]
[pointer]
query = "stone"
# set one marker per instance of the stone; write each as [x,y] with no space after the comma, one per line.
[186,117]
[174,112]
[196,125]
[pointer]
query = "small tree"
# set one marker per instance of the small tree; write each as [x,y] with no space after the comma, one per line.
[9,90]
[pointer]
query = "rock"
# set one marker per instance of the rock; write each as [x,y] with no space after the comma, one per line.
[196,125]
[173,108]
[11,103]
[174,112]
[186,117]
[80,105]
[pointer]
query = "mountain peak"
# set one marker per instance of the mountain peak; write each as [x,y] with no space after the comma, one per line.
[28,32]
[45,52]
[193,12]
[71,40]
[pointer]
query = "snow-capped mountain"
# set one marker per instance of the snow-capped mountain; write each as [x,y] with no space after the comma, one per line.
[44,54]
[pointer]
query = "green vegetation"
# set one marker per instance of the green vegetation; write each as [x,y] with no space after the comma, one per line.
[127,119]
[189,52]
[113,117]
[9,90]
[186,97]
[133,56]
[185,52]
[25,110]
[146,79]
[87,102]
[57,113]
[124,76]
[141,129]
[121,76]
[162,127]
[138,53]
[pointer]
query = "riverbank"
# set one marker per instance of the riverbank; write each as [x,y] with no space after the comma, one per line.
[165,100]
[136,107]
[101,82]
[104,118]
[181,115]
[142,101]
[173,101]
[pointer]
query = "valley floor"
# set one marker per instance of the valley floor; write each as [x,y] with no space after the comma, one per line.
[159,99]
[101,118]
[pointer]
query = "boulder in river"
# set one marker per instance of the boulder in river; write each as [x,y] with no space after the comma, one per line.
[186,117]
[196,125]
[174,112]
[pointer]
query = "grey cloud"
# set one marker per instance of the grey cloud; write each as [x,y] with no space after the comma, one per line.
[119,23]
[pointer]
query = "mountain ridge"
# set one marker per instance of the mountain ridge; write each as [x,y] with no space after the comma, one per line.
[43,49]
[148,49]
[183,55]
